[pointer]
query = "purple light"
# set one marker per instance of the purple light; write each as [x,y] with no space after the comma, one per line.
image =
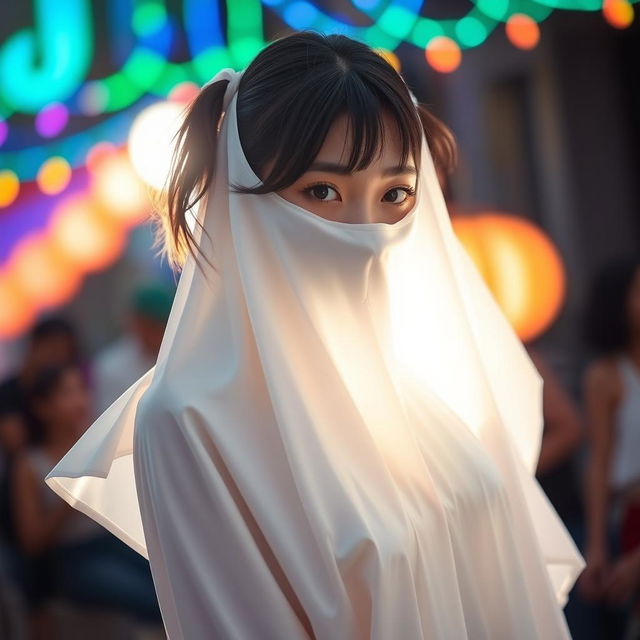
[52,120]
[4,131]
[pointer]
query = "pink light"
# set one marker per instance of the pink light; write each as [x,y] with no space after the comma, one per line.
[52,120]
[4,131]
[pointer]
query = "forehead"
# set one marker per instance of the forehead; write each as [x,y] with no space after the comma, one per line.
[339,141]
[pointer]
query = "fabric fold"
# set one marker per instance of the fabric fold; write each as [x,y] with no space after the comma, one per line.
[339,437]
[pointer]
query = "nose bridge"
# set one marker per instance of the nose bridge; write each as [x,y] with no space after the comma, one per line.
[364,209]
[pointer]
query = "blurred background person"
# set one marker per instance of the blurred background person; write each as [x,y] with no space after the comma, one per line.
[53,339]
[67,554]
[557,472]
[561,438]
[122,362]
[612,403]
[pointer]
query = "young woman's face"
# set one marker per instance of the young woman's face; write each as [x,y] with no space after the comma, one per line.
[383,192]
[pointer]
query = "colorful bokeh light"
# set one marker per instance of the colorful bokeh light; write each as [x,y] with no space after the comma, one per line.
[520,265]
[119,191]
[522,31]
[52,120]
[618,13]
[151,141]
[9,187]
[443,54]
[54,176]
[88,238]
[42,273]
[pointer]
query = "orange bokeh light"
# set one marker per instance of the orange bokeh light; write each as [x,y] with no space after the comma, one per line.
[54,175]
[618,13]
[9,187]
[520,265]
[98,154]
[184,92]
[119,191]
[16,312]
[443,54]
[85,235]
[390,57]
[41,274]
[522,31]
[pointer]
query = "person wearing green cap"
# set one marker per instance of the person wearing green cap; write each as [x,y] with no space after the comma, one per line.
[124,360]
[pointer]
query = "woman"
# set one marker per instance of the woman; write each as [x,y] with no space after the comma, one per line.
[78,560]
[612,399]
[329,444]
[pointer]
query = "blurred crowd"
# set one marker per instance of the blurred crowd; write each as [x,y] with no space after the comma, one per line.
[589,466]
[53,558]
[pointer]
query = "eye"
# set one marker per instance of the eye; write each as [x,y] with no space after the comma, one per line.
[398,195]
[322,192]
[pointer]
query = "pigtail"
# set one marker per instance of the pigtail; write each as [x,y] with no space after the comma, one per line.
[442,142]
[191,173]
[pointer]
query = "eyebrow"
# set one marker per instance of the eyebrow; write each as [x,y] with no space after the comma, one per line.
[332,167]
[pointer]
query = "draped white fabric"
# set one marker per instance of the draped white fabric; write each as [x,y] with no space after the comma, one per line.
[338,439]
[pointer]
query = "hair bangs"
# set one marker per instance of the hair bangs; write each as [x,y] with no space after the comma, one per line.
[367,130]
[308,108]
[288,99]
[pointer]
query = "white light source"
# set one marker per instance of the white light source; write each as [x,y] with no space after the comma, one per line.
[151,141]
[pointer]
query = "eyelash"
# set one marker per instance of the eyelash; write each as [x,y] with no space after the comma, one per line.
[410,191]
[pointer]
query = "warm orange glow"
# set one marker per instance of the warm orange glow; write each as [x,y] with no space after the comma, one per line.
[520,265]
[86,236]
[522,31]
[390,57]
[184,92]
[119,191]
[16,314]
[41,274]
[98,153]
[9,187]
[54,175]
[618,13]
[443,54]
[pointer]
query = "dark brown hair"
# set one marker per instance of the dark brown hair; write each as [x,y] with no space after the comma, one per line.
[288,98]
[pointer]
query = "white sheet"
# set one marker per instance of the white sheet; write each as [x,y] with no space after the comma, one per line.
[338,439]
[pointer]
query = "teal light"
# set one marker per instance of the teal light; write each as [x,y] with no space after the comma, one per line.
[148,18]
[396,21]
[496,9]
[47,63]
[470,31]
[424,31]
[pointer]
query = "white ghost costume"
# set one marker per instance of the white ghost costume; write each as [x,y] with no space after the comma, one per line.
[338,439]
